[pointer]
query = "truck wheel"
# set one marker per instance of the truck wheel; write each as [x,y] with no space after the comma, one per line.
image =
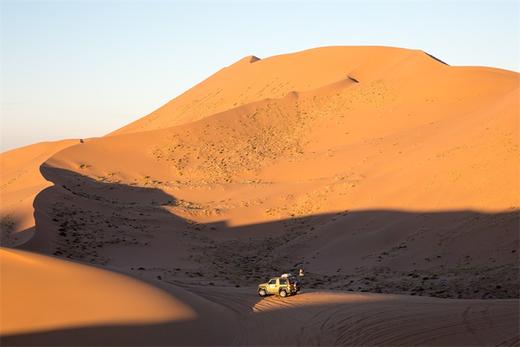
[283,293]
[262,293]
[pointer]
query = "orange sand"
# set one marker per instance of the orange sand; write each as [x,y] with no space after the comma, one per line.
[375,168]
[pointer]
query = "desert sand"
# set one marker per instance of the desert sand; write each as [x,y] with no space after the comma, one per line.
[21,181]
[41,293]
[376,169]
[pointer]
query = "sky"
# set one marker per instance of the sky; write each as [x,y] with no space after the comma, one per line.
[78,69]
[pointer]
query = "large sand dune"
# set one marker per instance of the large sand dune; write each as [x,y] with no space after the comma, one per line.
[251,79]
[376,169]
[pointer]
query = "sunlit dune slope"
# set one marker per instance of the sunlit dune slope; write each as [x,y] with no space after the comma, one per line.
[20,182]
[251,79]
[43,293]
[415,134]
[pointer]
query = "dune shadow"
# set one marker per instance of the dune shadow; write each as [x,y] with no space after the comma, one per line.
[79,215]
[450,254]
[437,59]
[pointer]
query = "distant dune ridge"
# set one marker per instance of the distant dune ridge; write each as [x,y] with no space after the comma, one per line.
[376,169]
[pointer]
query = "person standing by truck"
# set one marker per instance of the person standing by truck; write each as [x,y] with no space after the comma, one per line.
[301,274]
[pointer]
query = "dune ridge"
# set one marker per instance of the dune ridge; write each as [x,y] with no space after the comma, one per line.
[273,77]
[21,181]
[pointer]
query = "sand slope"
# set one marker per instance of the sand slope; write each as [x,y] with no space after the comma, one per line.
[451,133]
[331,318]
[376,169]
[42,293]
[313,318]
[251,79]
[21,181]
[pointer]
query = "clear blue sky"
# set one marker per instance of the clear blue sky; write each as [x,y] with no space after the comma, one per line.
[84,68]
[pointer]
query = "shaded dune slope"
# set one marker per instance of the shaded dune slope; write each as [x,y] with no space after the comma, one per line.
[452,253]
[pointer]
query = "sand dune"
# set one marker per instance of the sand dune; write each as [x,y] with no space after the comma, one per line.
[43,293]
[388,177]
[376,169]
[21,181]
[252,79]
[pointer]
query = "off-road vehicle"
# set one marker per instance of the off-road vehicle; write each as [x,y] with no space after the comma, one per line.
[283,286]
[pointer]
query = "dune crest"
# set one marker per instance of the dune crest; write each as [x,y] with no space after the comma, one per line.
[273,77]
